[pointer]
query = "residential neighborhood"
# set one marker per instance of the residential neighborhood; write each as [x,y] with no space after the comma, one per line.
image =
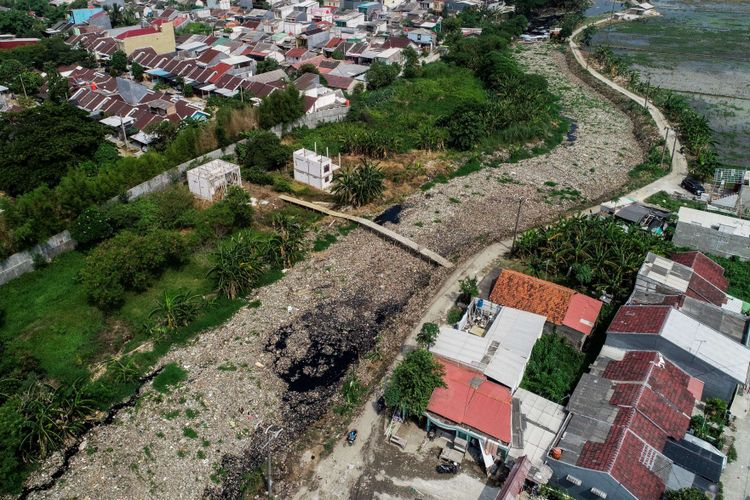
[458,249]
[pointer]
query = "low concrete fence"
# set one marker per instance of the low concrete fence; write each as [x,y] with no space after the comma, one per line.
[23,262]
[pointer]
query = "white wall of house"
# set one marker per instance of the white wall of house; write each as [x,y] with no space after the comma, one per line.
[313,169]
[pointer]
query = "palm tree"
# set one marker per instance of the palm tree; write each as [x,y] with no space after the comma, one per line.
[176,309]
[360,185]
[237,266]
[290,232]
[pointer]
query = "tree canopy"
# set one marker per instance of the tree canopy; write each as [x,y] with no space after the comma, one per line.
[262,150]
[281,107]
[381,75]
[411,385]
[266,65]
[39,145]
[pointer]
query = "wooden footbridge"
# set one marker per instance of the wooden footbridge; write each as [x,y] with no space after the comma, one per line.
[425,252]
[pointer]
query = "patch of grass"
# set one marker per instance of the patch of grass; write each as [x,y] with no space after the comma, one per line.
[270,277]
[254,304]
[738,274]
[227,366]
[323,241]
[471,166]
[48,322]
[665,200]
[454,200]
[192,276]
[191,414]
[171,375]
[189,432]
[171,414]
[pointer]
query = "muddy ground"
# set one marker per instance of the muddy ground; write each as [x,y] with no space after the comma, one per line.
[266,381]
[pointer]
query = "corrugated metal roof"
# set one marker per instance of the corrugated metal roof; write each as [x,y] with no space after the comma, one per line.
[707,344]
[502,353]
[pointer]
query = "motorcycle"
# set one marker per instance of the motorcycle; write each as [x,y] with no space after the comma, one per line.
[449,468]
[351,437]
[380,405]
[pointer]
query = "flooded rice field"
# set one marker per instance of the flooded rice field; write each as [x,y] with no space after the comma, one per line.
[700,49]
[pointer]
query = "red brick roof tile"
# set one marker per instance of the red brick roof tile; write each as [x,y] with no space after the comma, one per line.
[704,266]
[639,319]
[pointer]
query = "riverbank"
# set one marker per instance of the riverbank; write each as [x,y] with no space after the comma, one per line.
[700,51]
[274,368]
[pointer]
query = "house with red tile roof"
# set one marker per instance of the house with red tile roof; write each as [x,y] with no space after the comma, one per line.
[569,313]
[623,415]
[695,285]
[719,361]
[691,274]
[474,408]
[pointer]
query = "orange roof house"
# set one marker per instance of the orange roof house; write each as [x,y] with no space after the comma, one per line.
[572,313]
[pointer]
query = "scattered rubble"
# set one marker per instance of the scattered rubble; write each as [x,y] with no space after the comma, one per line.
[259,382]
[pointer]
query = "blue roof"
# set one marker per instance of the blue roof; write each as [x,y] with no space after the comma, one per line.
[80,16]
[159,72]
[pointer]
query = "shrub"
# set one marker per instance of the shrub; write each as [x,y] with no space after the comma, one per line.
[454,315]
[553,369]
[91,226]
[175,309]
[381,75]
[290,233]
[262,150]
[412,382]
[129,261]
[468,289]
[358,186]
[427,335]
[232,212]
[237,266]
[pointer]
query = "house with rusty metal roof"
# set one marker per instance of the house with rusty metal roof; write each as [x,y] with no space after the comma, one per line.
[473,407]
[569,313]
[623,413]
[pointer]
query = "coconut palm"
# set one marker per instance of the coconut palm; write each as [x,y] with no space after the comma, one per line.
[359,185]
[237,266]
[175,309]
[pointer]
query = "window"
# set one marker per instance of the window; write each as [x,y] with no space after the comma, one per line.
[598,492]
[648,456]
[326,169]
[573,479]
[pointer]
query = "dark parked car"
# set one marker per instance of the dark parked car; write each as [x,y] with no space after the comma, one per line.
[693,185]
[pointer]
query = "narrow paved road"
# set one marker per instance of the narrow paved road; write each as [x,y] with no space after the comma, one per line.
[669,182]
[336,474]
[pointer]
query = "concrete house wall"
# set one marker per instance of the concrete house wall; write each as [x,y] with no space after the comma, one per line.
[711,241]
[589,479]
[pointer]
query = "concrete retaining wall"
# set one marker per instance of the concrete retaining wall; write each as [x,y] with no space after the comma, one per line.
[314,119]
[22,262]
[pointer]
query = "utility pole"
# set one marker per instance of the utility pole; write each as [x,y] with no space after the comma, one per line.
[648,88]
[674,145]
[270,481]
[20,77]
[515,230]
[124,134]
[664,149]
